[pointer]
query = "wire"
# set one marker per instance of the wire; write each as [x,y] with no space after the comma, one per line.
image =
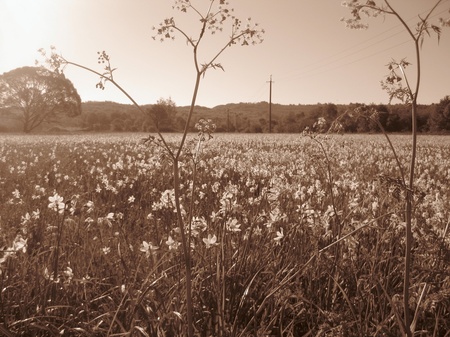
[258,93]
[320,65]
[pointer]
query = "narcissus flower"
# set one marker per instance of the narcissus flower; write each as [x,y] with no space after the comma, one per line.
[56,203]
[210,241]
[147,248]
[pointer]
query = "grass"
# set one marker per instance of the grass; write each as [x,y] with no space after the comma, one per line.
[278,248]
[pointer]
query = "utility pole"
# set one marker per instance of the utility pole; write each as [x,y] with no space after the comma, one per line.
[270,104]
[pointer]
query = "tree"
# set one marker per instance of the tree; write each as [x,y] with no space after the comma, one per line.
[291,123]
[162,114]
[439,120]
[383,116]
[394,122]
[328,111]
[40,95]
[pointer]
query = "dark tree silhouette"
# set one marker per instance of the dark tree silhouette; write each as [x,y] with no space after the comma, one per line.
[162,114]
[39,94]
[439,120]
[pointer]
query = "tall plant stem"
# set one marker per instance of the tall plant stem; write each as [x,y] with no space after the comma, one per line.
[416,37]
[191,112]
[185,239]
[186,249]
[56,257]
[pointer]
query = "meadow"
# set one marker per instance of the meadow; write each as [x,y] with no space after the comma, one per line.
[291,235]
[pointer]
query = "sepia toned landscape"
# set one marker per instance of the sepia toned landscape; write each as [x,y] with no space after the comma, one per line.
[231,219]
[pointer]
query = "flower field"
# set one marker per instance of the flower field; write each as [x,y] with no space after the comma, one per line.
[290,235]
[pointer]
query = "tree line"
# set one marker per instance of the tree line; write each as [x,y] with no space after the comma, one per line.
[34,96]
[251,118]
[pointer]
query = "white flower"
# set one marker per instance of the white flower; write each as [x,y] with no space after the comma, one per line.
[25,219]
[16,194]
[210,241]
[173,245]
[49,276]
[36,214]
[215,216]
[108,219]
[167,199]
[375,206]
[147,248]
[90,206]
[68,273]
[56,203]
[279,237]
[46,274]
[20,244]
[233,225]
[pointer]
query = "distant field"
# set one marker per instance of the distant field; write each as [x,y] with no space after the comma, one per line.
[90,245]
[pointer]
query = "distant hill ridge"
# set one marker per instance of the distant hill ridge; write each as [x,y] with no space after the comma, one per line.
[231,117]
[250,111]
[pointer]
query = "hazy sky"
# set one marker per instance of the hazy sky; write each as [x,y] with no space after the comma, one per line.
[311,55]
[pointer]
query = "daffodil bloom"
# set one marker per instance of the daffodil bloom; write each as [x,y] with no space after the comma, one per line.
[90,206]
[36,214]
[25,219]
[16,194]
[233,225]
[210,241]
[173,245]
[20,244]
[56,203]
[147,248]
[279,237]
[68,273]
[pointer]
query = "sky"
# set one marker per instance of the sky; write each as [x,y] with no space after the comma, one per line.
[310,54]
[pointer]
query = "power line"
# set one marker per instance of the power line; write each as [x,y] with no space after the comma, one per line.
[346,56]
[314,71]
[355,61]
[259,92]
[300,74]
